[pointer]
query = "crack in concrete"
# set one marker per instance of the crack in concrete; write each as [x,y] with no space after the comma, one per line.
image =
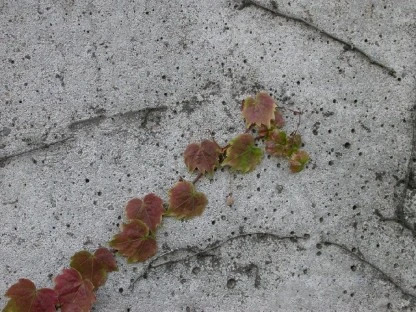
[143,115]
[383,275]
[197,252]
[148,112]
[409,184]
[80,124]
[347,45]
[399,218]
[11,202]
[201,253]
[5,159]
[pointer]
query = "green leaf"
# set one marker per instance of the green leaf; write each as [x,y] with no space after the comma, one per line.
[94,267]
[24,297]
[134,242]
[149,210]
[259,111]
[298,161]
[242,154]
[185,202]
[203,156]
[279,144]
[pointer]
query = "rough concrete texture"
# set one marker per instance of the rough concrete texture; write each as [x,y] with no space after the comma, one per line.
[100,98]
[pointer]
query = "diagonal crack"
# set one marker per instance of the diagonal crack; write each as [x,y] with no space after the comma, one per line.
[5,159]
[143,115]
[382,274]
[197,252]
[347,45]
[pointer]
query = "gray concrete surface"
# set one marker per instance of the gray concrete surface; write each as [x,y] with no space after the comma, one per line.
[100,98]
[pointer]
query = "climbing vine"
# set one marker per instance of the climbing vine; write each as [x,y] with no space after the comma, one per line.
[75,287]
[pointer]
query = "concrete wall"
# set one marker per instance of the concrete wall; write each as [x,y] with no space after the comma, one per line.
[100,98]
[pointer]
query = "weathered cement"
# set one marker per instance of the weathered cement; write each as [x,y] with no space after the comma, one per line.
[100,98]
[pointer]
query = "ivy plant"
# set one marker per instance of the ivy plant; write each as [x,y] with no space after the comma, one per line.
[75,287]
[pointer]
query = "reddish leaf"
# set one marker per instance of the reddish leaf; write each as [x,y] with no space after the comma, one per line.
[298,161]
[24,297]
[134,242]
[185,202]
[278,123]
[279,144]
[203,156]
[149,210]
[259,111]
[75,293]
[242,154]
[94,267]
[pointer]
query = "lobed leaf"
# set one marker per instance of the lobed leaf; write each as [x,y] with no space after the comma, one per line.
[277,123]
[94,267]
[203,156]
[242,154]
[298,161]
[134,242]
[74,292]
[185,202]
[259,111]
[24,297]
[276,144]
[279,144]
[150,210]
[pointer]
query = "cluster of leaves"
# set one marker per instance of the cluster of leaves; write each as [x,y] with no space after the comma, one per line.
[74,289]
[137,241]
[261,114]
[242,154]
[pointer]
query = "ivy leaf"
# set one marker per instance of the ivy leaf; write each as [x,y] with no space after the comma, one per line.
[94,267]
[24,297]
[134,242]
[149,210]
[185,202]
[298,161]
[276,144]
[74,292]
[259,111]
[203,156]
[278,123]
[279,144]
[242,154]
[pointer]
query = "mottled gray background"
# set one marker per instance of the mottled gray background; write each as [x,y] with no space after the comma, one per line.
[100,98]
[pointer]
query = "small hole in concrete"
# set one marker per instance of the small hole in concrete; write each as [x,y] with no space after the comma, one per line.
[231,283]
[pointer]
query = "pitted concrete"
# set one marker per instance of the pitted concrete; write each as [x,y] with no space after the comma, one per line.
[99,100]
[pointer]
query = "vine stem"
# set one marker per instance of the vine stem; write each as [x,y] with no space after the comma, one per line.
[250,128]
[198,177]
[296,113]
[224,149]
